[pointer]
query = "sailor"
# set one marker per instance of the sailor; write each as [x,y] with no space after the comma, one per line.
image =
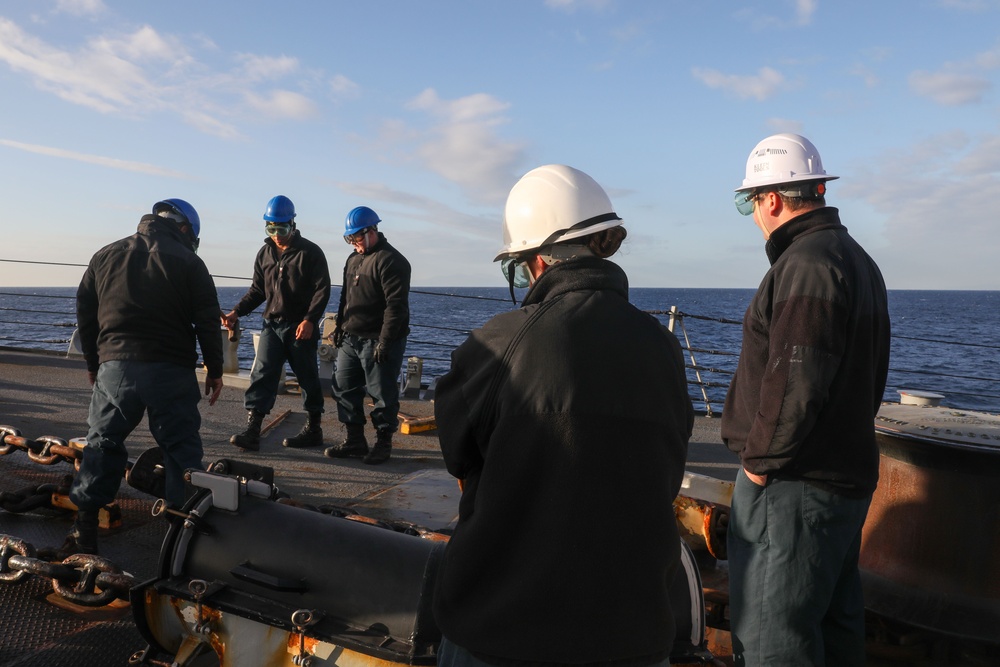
[141,305]
[800,413]
[566,422]
[291,275]
[373,321]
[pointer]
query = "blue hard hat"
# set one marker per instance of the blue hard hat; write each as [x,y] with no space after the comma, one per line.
[183,208]
[280,209]
[360,217]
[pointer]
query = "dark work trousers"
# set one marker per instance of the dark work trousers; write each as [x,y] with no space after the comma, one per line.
[357,373]
[795,594]
[123,391]
[277,344]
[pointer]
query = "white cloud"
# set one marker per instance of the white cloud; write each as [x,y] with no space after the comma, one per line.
[112,163]
[936,201]
[464,147]
[262,68]
[282,104]
[949,89]
[99,76]
[761,86]
[957,83]
[132,73]
[866,74]
[804,10]
[343,87]
[423,209]
[209,124]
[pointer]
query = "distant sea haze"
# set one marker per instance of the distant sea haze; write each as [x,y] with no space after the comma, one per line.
[943,341]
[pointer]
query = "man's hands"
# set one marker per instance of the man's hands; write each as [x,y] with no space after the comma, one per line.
[229,319]
[759,480]
[379,354]
[304,330]
[213,387]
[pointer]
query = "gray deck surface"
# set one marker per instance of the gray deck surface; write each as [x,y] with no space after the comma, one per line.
[48,395]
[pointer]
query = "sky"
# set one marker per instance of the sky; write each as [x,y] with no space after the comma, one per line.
[428,112]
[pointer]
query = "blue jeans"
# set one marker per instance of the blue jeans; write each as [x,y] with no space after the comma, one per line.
[794,586]
[453,655]
[358,374]
[123,392]
[277,344]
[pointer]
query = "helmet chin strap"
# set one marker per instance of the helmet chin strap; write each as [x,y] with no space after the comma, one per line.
[510,282]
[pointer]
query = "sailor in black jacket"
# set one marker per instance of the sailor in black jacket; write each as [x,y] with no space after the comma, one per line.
[142,304]
[801,414]
[567,422]
[291,274]
[373,321]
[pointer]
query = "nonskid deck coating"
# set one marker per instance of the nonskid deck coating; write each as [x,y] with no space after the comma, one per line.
[48,395]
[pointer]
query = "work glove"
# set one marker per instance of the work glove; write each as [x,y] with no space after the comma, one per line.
[338,337]
[380,354]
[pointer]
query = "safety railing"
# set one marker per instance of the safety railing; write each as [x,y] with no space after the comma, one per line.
[441,320]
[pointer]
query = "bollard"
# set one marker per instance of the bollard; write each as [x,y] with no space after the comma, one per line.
[411,381]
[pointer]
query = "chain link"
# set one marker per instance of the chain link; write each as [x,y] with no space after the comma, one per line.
[31,497]
[46,450]
[85,579]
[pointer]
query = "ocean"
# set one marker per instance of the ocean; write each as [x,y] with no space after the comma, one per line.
[943,341]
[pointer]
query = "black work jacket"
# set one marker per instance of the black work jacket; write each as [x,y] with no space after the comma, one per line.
[568,419]
[295,283]
[814,360]
[148,297]
[375,297]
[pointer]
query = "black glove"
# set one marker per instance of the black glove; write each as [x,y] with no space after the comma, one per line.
[338,337]
[380,355]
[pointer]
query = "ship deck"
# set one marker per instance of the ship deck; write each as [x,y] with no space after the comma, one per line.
[48,395]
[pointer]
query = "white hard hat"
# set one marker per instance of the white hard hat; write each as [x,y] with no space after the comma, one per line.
[783,158]
[551,204]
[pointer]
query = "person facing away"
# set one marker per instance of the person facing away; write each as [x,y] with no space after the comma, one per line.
[141,306]
[289,273]
[373,321]
[800,413]
[566,422]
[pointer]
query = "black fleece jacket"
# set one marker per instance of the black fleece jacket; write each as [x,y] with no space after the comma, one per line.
[295,283]
[375,297]
[146,298]
[814,360]
[568,419]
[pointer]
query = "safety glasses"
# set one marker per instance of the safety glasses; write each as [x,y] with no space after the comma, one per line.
[521,278]
[356,238]
[278,229]
[745,202]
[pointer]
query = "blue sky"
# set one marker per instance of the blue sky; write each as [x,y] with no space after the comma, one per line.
[429,111]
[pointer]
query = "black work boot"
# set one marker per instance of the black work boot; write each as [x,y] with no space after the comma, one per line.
[250,437]
[311,434]
[82,537]
[383,448]
[353,445]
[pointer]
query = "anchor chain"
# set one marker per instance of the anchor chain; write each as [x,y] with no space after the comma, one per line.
[85,579]
[46,450]
[31,498]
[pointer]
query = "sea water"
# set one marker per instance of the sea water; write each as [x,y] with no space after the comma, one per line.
[943,341]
